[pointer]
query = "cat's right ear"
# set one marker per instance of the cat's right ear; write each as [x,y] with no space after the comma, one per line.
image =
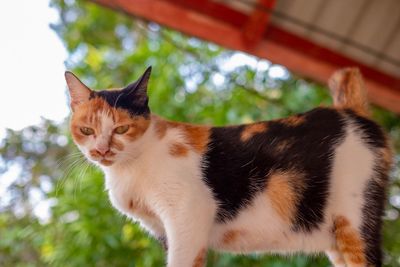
[78,91]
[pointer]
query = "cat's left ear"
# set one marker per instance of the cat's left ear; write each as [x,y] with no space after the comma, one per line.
[78,91]
[137,91]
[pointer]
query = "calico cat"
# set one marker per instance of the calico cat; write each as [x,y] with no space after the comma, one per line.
[313,182]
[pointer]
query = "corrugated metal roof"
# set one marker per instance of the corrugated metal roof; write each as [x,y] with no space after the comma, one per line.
[365,30]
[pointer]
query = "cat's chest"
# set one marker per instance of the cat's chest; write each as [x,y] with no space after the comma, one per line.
[128,193]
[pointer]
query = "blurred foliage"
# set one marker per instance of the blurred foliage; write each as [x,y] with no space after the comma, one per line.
[56,213]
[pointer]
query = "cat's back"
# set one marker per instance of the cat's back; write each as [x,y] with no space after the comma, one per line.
[307,150]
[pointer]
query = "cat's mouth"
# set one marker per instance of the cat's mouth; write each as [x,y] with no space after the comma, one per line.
[106,160]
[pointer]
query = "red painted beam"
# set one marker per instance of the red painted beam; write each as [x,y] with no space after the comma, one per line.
[299,55]
[214,10]
[254,28]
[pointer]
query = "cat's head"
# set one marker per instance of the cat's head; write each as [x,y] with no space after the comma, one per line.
[107,125]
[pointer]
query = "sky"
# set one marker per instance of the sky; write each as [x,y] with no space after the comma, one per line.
[31,65]
[31,76]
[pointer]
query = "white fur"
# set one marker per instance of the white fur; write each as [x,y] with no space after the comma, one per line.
[350,177]
[173,189]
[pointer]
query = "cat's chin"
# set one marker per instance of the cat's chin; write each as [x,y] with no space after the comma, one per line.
[102,162]
[106,162]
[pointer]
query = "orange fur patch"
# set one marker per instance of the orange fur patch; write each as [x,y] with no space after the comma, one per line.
[293,120]
[251,130]
[231,236]
[196,135]
[178,150]
[160,126]
[283,190]
[131,205]
[349,242]
[200,259]
[348,90]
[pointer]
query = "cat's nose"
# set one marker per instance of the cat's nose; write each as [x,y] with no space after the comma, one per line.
[102,150]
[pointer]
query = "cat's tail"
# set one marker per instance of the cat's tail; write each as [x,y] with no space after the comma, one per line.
[348,90]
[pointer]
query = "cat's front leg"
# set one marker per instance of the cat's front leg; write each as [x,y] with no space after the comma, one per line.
[188,230]
[188,241]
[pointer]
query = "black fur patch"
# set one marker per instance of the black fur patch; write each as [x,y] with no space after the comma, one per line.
[372,220]
[236,171]
[370,131]
[132,98]
[120,99]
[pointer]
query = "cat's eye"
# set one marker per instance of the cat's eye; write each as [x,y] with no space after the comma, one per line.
[121,129]
[87,130]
